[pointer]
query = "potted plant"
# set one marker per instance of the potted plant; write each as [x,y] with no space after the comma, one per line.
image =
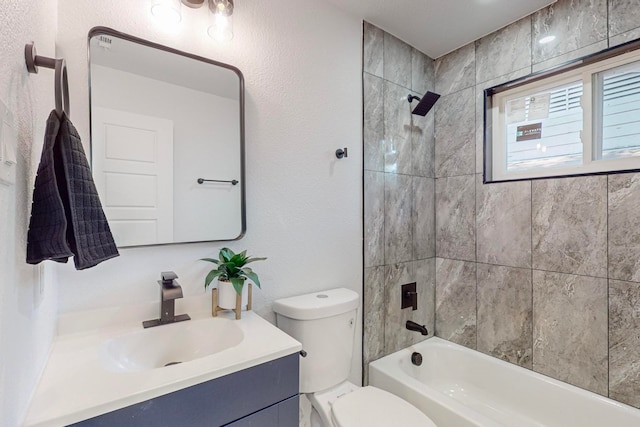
[231,272]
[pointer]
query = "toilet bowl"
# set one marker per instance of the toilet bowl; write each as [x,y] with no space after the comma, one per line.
[324,322]
[365,407]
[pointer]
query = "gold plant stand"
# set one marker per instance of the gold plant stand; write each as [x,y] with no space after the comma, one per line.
[215,308]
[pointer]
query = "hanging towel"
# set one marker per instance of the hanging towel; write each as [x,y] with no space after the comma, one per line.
[66,215]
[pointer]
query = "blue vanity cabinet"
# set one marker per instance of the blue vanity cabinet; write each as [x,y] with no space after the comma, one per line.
[265,395]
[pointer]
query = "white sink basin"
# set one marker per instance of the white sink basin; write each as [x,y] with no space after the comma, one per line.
[167,345]
[103,360]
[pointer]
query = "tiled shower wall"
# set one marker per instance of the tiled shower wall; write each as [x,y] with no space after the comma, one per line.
[399,193]
[544,274]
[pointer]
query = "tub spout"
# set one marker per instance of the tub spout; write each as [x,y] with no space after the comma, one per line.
[413,326]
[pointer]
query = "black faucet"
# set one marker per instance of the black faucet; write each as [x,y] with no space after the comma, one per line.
[170,290]
[413,326]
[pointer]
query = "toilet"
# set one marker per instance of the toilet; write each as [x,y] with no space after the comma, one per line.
[324,322]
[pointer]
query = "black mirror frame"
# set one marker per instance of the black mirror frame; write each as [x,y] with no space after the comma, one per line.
[95,31]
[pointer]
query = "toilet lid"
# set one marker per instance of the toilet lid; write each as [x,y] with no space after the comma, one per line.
[372,407]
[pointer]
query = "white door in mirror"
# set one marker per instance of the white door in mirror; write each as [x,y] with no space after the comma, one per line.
[133,172]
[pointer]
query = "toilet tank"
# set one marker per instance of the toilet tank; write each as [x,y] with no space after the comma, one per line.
[325,323]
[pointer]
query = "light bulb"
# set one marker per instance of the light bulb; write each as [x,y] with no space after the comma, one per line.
[168,11]
[221,28]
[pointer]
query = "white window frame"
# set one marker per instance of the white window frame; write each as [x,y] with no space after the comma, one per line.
[585,70]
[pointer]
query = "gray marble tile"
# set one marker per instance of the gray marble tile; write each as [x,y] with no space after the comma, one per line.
[455,134]
[624,37]
[504,51]
[455,219]
[373,49]
[503,223]
[373,218]
[373,131]
[397,61]
[624,227]
[397,219]
[374,314]
[505,328]
[456,70]
[426,284]
[422,72]
[570,329]
[623,16]
[424,217]
[456,301]
[423,273]
[574,54]
[480,110]
[397,130]
[423,145]
[569,225]
[574,23]
[624,342]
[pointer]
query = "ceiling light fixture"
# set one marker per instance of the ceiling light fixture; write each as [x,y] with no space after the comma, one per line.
[222,23]
[167,11]
[193,4]
[220,11]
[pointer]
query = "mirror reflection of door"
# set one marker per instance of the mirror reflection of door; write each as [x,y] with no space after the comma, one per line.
[133,164]
[161,119]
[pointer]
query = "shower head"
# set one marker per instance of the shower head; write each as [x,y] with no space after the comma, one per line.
[425,104]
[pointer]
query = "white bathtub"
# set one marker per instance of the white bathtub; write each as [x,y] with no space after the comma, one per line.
[458,387]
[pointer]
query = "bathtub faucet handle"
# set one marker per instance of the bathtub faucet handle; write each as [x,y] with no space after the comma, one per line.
[409,296]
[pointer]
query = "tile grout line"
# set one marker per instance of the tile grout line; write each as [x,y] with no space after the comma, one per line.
[522,268]
[608,280]
[364,231]
[384,214]
[531,263]
[475,178]
[607,234]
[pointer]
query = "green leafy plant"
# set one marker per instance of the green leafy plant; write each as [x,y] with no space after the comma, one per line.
[231,267]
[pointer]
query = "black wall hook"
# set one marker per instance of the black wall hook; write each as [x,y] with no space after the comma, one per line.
[341,152]
[61,87]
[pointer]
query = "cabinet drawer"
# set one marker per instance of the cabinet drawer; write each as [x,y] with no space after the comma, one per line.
[283,414]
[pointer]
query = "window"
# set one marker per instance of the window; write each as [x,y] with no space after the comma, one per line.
[581,119]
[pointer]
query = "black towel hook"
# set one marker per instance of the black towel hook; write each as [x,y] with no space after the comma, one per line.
[34,61]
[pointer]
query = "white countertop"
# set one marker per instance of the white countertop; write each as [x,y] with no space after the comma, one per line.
[76,385]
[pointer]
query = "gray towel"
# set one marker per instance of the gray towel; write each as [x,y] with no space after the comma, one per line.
[66,215]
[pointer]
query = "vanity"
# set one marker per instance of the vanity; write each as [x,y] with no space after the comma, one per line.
[105,369]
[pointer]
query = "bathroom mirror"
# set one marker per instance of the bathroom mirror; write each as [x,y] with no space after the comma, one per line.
[167,142]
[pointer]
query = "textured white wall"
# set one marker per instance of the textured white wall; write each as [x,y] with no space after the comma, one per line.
[27,318]
[302,66]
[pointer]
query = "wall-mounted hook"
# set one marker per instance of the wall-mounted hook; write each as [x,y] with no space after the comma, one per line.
[61,87]
[341,152]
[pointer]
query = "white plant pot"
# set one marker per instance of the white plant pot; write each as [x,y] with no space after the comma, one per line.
[227,295]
